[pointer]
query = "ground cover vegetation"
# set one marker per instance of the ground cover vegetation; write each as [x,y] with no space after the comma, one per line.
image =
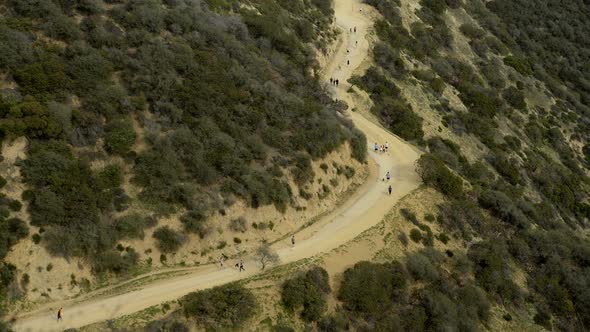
[221,95]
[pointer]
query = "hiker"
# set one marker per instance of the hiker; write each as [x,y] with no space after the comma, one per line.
[386,146]
[242,266]
[356,43]
[59,314]
[347,51]
[293,240]
[348,62]
[376,147]
[388,176]
[389,190]
[354,29]
[337,81]
[331,81]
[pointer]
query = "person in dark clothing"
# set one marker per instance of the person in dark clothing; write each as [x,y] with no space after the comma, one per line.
[59,314]
[389,190]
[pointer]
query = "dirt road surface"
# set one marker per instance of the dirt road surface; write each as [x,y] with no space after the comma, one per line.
[364,209]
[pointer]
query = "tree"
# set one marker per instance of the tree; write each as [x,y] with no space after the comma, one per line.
[266,255]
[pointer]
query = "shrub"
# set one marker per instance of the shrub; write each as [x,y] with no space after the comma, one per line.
[358,144]
[429,217]
[433,172]
[36,238]
[238,225]
[168,240]
[514,98]
[307,291]
[132,225]
[11,230]
[368,288]
[15,205]
[400,118]
[221,307]
[113,261]
[409,216]
[195,221]
[403,238]
[444,238]
[521,65]
[416,235]
[421,268]
[119,136]
[472,31]
[266,255]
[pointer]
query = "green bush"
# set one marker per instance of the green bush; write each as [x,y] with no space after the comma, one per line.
[471,31]
[421,268]
[434,173]
[119,136]
[307,291]
[416,235]
[400,118]
[221,307]
[113,261]
[132,225]
[358,144]
[168,240]
[368,288]
[15,205]
[195,221]
[514,98]
[11,230]
[521,65]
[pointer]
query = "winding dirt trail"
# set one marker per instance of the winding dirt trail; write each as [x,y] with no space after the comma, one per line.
[364,209]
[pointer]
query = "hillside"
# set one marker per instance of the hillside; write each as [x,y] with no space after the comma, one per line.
[496,93]
[178,119]
[493,93]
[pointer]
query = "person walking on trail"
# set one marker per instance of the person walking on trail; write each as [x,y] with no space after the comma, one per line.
[386,146]
[337,81]
[331,80]
[59,314]
[376,147]
[354,29]
[388,176]
[242,266]
[293,240]
[389,190]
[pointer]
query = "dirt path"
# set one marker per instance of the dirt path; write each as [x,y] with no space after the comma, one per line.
[365,209]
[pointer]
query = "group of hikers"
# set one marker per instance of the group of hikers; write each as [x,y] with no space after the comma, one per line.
[334,81]
[381,148]
[384,148]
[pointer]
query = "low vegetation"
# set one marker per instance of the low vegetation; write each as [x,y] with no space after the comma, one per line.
[224,307]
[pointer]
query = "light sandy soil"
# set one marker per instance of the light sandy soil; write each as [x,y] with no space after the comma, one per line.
[364,209]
